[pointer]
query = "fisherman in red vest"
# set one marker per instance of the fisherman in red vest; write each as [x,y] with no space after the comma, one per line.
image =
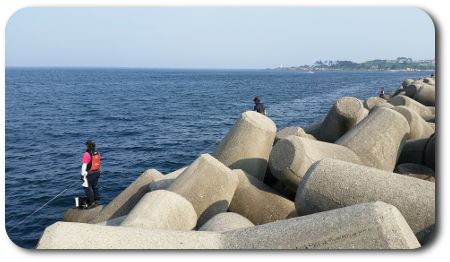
[90,172]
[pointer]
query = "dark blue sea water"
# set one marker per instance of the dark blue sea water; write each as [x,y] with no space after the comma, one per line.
[141,119]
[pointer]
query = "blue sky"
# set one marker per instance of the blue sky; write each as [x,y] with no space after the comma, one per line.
[214,37]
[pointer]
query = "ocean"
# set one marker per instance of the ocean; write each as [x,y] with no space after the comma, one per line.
[141,119]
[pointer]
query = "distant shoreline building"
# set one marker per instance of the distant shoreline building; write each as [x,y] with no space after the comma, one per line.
[399,64]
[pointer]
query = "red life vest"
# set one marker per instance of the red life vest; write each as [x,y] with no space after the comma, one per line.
[94,164]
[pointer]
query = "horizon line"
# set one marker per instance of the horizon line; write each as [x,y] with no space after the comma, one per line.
[137,67]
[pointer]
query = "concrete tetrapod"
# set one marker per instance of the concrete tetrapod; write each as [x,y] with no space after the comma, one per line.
[372,101]
[429,157]
[76,214]
[85,236]
[291,157]
[314,129]
[343,116]
[407,82]
[364,226]
[162,209]
[332,184]
[387,105]
[400,89]
[429,80]
[413,151]
[208,184]
[294,131]
[165,181]
[247,144]
[426,95]
[417,125]
[226,221]
[258,202]
[127,199]
[402,100]
[113,222]
[416,170]
[378,139]
[412,88]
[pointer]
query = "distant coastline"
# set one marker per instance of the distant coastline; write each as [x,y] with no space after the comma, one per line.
[328,69]
[401,64]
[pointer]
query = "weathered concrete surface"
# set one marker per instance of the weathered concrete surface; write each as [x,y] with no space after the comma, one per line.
[417,125]
[413,151]
[127,199]
[430,158]
[75,214]
[208,184]
[386,105]
[113,222]
[432,125]
[429,80]
[416,170]
[226,221]
[407,82]
[364,226]
[378,139]
[291,157]
[426,95]
[402,100]
[247,144]
[258,202]
[400,90]
[65,235]
[314,129]
[162,209]
[429,118]
[412,88]
[294,131]
[332,184]
[386,97]
[165,181]
[344,115]
[372,101]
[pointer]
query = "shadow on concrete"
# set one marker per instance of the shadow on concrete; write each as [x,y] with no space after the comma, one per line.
[214,209]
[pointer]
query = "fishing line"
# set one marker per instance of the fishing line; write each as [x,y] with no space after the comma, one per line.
[72,186]
[210,146]
[44,205]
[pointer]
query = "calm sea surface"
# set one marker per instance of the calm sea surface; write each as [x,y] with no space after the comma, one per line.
[141,119]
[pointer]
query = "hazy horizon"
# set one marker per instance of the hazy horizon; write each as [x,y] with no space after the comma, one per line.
[214,37]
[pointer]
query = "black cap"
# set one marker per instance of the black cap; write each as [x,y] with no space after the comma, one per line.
[256,99]
[90,143]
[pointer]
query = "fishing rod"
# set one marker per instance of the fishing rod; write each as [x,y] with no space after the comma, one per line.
[72,186]
[44,205]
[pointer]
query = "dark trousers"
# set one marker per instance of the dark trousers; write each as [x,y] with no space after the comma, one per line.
[92,178]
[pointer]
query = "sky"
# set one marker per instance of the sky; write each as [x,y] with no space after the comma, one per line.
[214,37]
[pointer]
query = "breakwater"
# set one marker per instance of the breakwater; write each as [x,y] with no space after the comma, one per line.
[349,181]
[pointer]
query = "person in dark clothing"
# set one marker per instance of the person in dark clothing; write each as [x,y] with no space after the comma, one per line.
[90,172]
[260,108]
[382,93]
